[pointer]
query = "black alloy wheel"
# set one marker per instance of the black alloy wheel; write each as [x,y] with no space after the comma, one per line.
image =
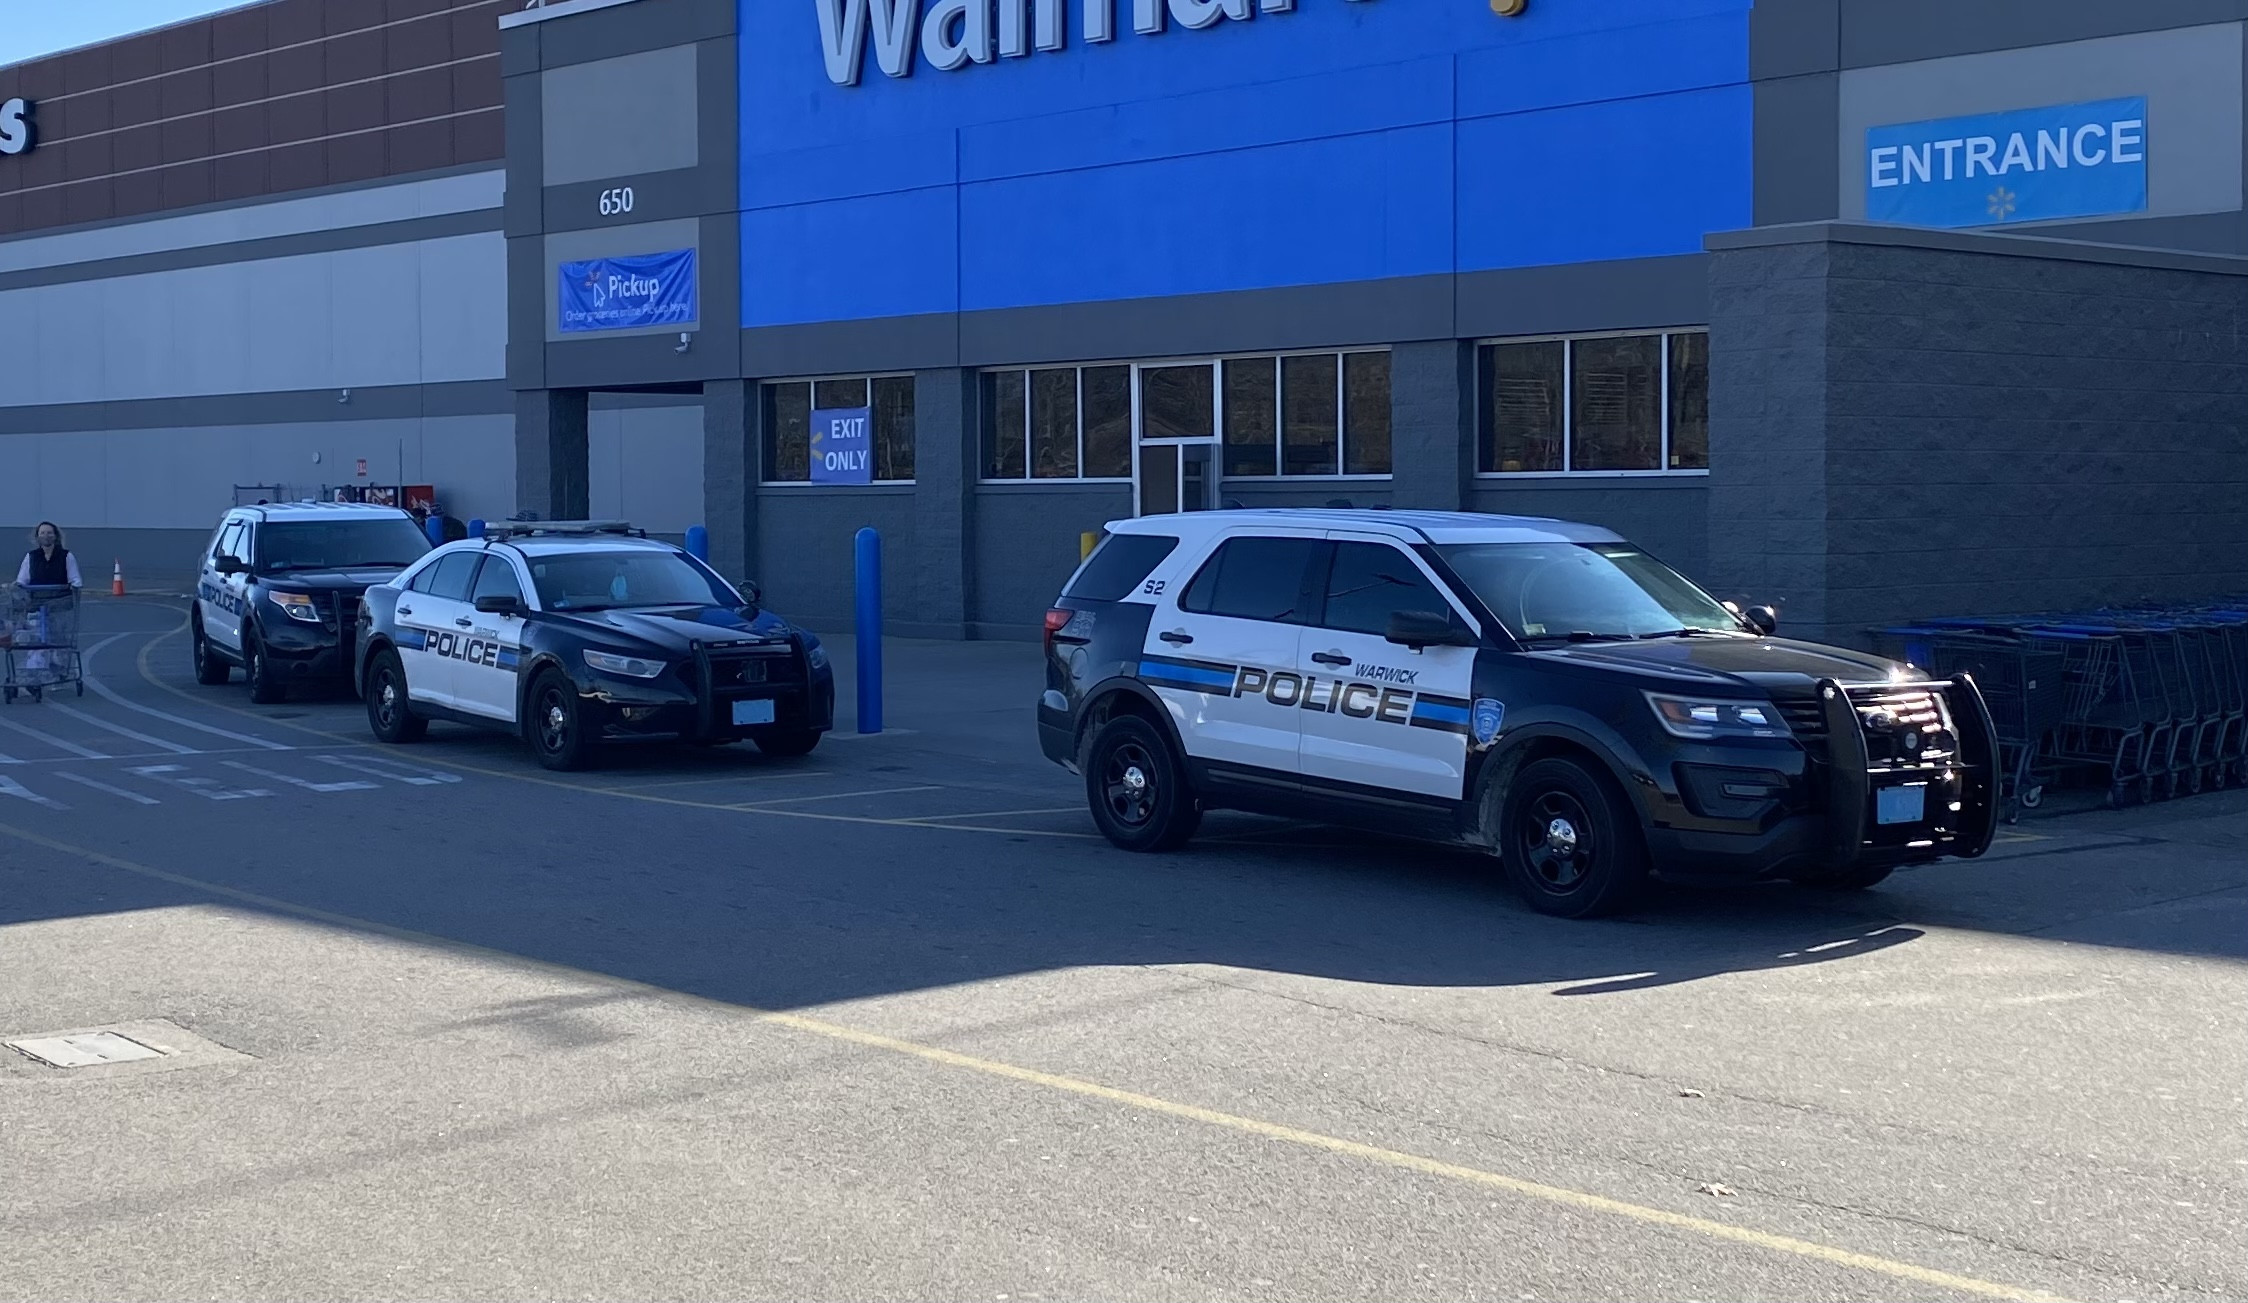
[390,714]
[1137,787]
[210,671]
[257,671]
[1570,840]
[557,723]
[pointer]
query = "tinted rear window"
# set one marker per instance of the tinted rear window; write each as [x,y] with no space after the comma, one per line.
[1119,565]
[1253,579]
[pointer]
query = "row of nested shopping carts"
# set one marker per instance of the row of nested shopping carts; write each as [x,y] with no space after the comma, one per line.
[2150,701]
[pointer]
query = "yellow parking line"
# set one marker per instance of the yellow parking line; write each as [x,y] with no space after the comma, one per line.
[1378,1155]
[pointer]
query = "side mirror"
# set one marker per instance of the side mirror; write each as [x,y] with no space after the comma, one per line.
[499,604]
[1418,629]
[228,565]
[1763,619]
[750,592]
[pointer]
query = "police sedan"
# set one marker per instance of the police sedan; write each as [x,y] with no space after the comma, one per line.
[577,635]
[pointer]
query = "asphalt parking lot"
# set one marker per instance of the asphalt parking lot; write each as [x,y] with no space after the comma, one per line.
[891,1021]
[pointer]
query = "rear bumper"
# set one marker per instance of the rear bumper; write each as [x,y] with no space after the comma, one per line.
[1057,730]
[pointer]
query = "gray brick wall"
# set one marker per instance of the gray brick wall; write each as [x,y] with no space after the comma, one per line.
[1912,424]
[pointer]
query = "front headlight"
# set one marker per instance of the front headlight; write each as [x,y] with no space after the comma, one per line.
[1717,717]
[631,667]
[297,606]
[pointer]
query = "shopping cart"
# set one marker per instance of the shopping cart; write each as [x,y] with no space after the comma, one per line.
[38,641]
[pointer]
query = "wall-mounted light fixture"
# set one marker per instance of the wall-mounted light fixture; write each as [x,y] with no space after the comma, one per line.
[344,397]
[686,341]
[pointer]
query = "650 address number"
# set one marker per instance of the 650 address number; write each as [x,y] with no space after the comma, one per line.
[616,200]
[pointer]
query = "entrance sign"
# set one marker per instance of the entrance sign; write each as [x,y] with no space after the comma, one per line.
[655,289]
[843,445]
[2029,165]
[955,33]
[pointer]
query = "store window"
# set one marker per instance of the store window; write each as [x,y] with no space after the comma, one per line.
[1058,423]
[1604,404]
[1306,414]
[789,405]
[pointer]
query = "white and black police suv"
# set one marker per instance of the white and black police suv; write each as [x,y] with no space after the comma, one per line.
[577,634]
[279,590]
[1538,689]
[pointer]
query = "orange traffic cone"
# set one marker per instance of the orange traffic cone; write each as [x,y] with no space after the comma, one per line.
[117,579]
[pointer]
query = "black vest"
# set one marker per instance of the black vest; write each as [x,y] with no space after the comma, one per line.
[50,574]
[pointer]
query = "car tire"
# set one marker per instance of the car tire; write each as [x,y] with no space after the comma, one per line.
[785,743]
[555,723]
[1569,840]
[390,712]
[257,671]
[210,671]
[1137,787]
[1852,879]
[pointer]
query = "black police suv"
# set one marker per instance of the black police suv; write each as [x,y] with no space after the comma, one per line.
[279,590]
[576,635]
[1536,688]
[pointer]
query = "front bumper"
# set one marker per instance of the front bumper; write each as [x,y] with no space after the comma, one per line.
[300,651]
[1742,813]
[695,701]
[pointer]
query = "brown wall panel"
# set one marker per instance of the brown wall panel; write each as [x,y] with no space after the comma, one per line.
[276,97]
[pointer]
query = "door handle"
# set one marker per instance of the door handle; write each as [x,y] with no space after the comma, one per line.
[1177,637]
[405,610]
[1336,659]
[464,623]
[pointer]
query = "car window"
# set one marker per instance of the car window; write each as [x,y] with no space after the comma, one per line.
[1371,582]
[1119,565]
[1607,590]
[1253,579]
[449,578]
[218,539]
[383,542]
[230,540]
[595,581]
[496,579]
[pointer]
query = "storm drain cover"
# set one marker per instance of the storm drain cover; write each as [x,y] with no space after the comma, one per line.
[85,1049]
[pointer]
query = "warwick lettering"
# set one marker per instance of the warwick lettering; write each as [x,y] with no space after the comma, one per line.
[956,33]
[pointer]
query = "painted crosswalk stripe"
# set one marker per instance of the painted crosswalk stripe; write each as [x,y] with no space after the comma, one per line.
[417,777]
[10,787]
[207,788]
[104,787]
[50,739]
[348,785]
[122,731]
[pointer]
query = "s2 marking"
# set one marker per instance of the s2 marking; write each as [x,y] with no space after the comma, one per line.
[1154,587]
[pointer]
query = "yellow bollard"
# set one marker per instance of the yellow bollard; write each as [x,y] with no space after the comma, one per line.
[1086,542]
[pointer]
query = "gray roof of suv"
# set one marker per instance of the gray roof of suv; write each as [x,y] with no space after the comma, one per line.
[1411,526]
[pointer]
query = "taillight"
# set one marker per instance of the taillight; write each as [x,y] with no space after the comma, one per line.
[1056,620]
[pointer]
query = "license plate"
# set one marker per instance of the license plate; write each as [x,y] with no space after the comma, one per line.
[753,712]
[1900,805]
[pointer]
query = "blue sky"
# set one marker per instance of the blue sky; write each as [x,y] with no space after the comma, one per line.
[30,28]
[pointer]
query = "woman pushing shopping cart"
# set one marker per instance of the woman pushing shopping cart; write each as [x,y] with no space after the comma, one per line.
[39,620]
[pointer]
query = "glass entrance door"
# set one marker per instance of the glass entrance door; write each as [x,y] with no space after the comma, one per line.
[1175,437]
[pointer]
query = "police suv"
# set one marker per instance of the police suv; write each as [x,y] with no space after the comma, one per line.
[575,634]
[280,585]
[1538,689]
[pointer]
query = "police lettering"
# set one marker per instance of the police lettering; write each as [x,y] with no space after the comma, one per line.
[475,651]
[1387,674]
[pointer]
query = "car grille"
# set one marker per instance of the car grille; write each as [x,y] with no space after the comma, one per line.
[1805,717]
[752,669]
[1904,728]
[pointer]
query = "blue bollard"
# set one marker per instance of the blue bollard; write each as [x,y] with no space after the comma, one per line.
[868,549]
[698,543]
[476,527]
[434,526]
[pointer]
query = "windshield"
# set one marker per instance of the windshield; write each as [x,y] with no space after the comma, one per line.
[339,544]
[1597,590]
[588,581]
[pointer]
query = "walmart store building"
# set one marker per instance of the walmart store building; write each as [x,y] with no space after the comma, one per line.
[1879,308]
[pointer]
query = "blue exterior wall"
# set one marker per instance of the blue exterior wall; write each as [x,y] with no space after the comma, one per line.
[1351,140]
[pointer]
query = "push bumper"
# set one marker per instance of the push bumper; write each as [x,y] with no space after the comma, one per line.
[304,653]
[702,710]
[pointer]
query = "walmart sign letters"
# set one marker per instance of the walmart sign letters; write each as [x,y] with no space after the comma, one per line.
[655,289]
[2031,165]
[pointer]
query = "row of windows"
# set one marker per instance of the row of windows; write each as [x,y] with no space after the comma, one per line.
[1605,404]
[1277,416]
[1592,405]
[1352,587]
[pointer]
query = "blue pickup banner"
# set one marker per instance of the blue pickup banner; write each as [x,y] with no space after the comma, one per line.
[843,445]
[652,289]
[2029,165]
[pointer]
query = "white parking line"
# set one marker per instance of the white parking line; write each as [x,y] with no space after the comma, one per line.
[997,814]
[9,760]
[418,777]
[53,741]
[104,787]
[122,731]
[348,785]
[10,787]
[110,694]
[834,796]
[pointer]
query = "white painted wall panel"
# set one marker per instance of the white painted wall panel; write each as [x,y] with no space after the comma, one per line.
[646,465]
[399,314]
